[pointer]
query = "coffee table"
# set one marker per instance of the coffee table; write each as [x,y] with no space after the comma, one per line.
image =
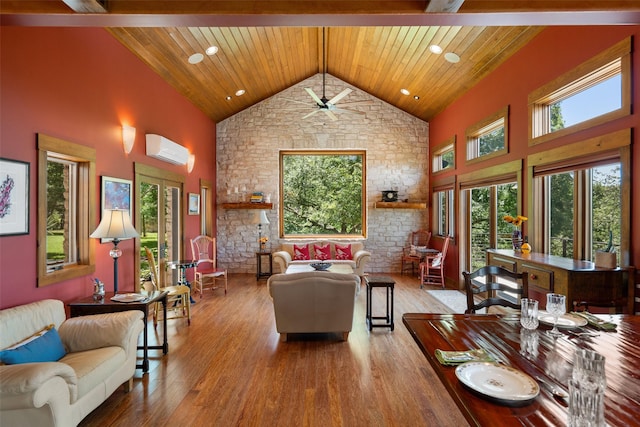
[335,268]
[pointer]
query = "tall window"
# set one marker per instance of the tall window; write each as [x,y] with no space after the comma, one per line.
[66,201]
[323,193]
[444,208]
[488,138]
[578,193]
[486,196]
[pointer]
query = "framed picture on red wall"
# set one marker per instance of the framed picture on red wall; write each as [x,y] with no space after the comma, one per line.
[116,194]
[14,197]
[194,204]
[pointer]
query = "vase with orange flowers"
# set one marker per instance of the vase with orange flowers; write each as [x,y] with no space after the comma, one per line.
[516,236]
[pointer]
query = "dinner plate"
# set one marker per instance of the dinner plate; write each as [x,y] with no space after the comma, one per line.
[498,381]
[564,321]
[128,297]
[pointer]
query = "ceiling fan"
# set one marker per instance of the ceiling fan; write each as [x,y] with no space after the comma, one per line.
[329,105]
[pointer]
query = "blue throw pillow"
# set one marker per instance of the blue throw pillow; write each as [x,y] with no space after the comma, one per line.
[47,348]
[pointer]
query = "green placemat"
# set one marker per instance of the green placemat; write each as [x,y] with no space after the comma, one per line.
[595,321]
[453,358]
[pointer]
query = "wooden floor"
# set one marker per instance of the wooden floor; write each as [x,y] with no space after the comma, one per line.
[230,369]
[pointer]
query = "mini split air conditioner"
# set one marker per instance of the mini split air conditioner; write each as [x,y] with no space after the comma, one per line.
[166,150]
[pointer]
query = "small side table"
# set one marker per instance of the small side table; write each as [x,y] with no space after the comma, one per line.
[260,271]
[87,306]
[380,282]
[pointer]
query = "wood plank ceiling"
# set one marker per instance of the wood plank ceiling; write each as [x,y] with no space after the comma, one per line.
[265,47]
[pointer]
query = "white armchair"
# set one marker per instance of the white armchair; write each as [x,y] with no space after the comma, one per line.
[100,356]
[315,301]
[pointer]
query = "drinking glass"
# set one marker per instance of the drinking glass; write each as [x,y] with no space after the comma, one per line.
[555,307]
[529,313]
[586,389]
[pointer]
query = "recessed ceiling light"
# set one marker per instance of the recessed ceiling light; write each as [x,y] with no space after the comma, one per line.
[211,50]
[434,48]
[196,58]
[404,91]
[416,97]
[240,92]
[451,57]
[228,98]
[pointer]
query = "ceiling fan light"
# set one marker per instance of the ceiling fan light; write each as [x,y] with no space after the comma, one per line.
[434,48]
[405,91]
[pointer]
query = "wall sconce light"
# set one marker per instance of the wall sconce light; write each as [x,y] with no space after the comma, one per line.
[190,162]
[128,138]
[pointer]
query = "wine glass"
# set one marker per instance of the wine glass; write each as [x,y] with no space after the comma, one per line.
[555,307]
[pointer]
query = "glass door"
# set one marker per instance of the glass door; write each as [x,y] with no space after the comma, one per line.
[159,221]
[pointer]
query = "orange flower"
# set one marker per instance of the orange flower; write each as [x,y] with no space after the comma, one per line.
[517,221]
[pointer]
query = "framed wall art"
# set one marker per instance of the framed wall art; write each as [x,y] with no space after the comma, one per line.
[14,197]
[116,194]
[194,204]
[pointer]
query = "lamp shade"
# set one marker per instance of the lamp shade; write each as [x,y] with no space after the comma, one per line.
[115,224]
[260,218]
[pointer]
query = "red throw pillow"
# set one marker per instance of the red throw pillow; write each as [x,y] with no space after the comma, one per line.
[301,252]
[323,253]
[343,252]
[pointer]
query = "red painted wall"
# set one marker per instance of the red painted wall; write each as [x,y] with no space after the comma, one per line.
[81,85]
[553,52]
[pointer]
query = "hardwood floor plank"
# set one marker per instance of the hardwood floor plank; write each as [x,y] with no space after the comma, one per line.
[229,368]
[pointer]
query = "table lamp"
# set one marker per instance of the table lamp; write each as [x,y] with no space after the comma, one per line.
[260,218]
[115,225]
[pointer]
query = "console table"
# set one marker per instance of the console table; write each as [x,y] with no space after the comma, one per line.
[578,280]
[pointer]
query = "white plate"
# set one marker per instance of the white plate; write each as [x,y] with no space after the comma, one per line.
[498,381]
[564,321]
[128,297]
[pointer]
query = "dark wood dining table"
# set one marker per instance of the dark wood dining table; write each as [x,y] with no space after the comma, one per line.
[538,355]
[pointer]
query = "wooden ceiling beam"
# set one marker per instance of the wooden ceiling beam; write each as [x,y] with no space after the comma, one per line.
[88,6]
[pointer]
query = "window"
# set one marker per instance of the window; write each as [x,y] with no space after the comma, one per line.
[444,208]
[579,196]
[322,193]
[488,138]
[444,156]
[595,92]
[486,196]
[66,196]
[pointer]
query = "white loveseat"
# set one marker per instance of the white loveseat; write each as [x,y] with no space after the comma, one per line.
[286,255]
[313,302]
[100,356]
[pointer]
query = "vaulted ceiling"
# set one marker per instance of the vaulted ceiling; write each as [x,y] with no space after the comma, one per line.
[264,47]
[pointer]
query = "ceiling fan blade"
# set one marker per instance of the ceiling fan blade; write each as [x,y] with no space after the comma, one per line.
[311,113]
[331,115]
[314,96]
[339,96]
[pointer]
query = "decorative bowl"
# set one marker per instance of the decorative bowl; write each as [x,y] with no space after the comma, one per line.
[321,266]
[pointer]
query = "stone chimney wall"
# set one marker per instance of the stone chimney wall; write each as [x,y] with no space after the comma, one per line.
[248,147]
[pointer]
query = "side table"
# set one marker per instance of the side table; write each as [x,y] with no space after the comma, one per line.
[260,271]
[88,306]
[380,282]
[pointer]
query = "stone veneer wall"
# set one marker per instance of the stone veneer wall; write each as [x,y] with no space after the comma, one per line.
[248,146]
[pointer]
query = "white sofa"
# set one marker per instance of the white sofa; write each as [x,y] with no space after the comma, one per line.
[100,356]
[360,257]
[313,302]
